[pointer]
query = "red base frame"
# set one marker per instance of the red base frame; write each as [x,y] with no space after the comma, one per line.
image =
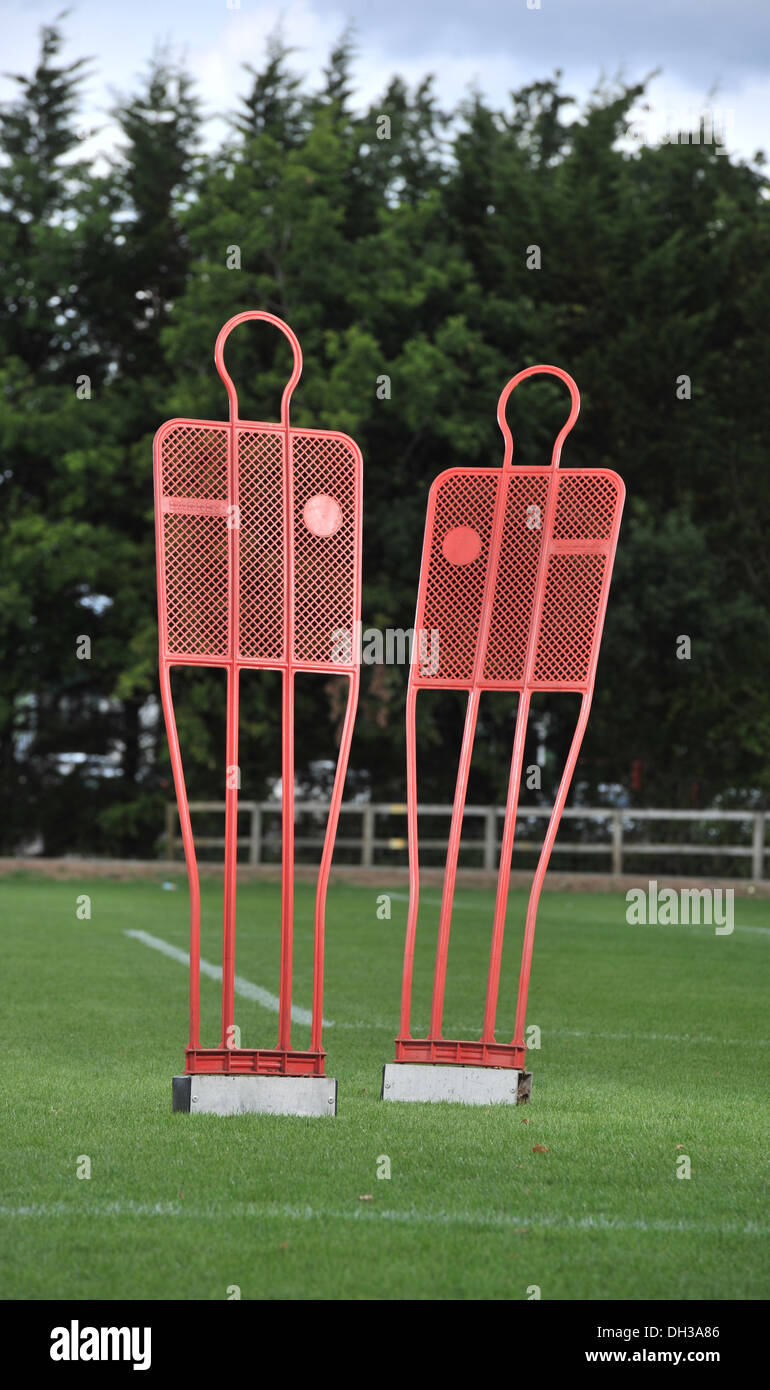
[460,1054]
[259,1061]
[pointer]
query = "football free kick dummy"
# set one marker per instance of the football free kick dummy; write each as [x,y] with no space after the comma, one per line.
[258,530]
[516,569]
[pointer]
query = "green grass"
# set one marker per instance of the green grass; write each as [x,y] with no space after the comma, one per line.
[653,1046]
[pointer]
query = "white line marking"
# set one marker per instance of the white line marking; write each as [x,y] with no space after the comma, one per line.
[470,1030]
[245,988]
[277,1212]
[270,1001]
[475,906]
[662,1037]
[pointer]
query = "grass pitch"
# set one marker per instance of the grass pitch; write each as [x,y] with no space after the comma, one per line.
[653,1048]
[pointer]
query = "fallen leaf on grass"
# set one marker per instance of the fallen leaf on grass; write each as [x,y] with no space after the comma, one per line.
[540,1149]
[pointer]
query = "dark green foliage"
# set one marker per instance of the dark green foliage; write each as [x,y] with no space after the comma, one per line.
[403,257]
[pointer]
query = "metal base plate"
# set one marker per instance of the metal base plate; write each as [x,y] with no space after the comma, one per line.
[210,1094]
[468,1085]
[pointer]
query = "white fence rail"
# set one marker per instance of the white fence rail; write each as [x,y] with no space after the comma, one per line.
[617,824]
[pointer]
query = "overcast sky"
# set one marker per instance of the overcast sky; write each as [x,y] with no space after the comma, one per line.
[702,46]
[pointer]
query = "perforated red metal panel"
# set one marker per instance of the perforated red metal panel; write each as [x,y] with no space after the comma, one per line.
[451,595]
[201,522]
[516,579]
[325,540]
[262,551]
[458,585]
[194,460]
[258,530]
[513,590]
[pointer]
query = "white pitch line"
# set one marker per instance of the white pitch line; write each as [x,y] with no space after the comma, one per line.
[471,1029]
[270,1001]
[245,988]
[472,907]
[662,1037]
[519,1224]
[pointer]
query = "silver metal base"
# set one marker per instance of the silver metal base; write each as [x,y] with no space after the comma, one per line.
[426,1081]
[260,1095]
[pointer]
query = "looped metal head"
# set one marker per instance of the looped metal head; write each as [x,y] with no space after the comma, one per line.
[224,333]
[566,427]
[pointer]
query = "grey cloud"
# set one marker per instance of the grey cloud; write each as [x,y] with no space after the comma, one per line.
[697,40]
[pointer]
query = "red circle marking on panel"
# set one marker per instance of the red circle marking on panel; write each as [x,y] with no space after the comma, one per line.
[322,515]
[461,545]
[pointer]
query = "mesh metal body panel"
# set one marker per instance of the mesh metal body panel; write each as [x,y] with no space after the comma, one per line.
[228,532]
[262,548]
[324,569]
[560,634]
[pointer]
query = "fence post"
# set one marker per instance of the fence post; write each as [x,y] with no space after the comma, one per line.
[170,829]
[490,839]
[255,836]
[367,838]
[758,846]
[617,843]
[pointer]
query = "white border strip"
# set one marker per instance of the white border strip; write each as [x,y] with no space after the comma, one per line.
[247,990]
[519,1224]
[244,988]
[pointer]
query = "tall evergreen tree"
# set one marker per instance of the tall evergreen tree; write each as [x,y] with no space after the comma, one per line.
[38,185]
[274,105]
[398,260]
